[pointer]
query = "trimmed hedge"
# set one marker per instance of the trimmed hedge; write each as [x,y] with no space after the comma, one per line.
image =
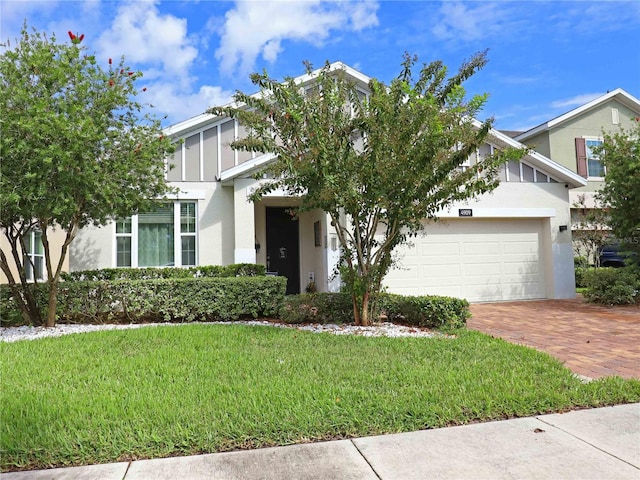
[317,308]
[580,276]
[149,273]
[169,300]
[613,286]
[423,311]
[429,311]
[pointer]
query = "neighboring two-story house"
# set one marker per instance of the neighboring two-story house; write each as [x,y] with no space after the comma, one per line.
[569,140]
[514,243]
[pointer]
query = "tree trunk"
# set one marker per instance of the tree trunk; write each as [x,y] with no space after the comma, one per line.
[361,310]
[366,318]
[53,302]
[23,293]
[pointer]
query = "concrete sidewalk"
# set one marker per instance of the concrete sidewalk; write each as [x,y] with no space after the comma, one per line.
[587,444]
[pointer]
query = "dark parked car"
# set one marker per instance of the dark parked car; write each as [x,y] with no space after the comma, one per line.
[612,256]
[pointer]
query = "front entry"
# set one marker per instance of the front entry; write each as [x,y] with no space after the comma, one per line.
[283,252]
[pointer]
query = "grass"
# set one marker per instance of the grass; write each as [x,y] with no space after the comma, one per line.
[154,392]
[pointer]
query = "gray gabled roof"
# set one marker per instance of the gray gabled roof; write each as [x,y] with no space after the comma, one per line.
[500,139]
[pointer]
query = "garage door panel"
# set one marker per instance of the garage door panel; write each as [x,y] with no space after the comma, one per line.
[443,290]
[452,291]
[441,271]
[480,260]
[524,268]
[520,247]
[441,282]
[437,260]
[482,270]
[408,271]
[520,258]
[436,249]
[481,248]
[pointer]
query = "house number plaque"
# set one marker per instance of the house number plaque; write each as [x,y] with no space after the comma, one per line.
[465,212]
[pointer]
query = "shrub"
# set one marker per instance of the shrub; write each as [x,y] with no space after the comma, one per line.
[173,299]
[148,273]
[613,286]
[580,275]
[317,308]
[581,261]
[426,311]
[10,312]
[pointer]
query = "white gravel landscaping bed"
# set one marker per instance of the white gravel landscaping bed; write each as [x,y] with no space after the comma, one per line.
[12,334]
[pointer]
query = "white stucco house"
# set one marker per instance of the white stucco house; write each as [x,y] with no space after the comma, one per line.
[514,243]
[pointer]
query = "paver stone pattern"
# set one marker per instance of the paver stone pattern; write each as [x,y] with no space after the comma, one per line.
[592,340]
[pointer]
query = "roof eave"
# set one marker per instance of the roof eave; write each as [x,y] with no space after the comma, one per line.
[622,96]
[244,169]
[536,159]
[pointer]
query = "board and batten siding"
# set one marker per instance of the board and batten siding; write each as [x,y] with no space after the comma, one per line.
[512,171]
[201,156]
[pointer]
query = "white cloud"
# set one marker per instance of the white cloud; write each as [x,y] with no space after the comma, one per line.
[576,101]
[17,10]
[144,36]
[159,45]
[254,29]
[178,105]
[466,22]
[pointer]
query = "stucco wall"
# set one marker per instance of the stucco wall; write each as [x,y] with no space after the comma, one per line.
[94,247]
[56,239]
[312,256]
[540,143]
[589,124]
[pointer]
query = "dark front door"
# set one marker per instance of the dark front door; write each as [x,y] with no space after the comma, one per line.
[283,254]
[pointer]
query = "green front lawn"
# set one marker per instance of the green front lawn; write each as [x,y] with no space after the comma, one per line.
[160,391]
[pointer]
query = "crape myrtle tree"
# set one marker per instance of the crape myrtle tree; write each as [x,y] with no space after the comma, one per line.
[379,165]
[620,153]
[77,149]
[590,229]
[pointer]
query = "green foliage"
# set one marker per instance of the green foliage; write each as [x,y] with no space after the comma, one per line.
[613,286]
[320,308]
[426,311]
[180,390]
[378,165]
[76,149]
[620,153]
[590,229]
[168,299]
[208,271]
[580,261]
[580,276]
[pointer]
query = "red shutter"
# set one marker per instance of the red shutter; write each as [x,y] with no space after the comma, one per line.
[581,157]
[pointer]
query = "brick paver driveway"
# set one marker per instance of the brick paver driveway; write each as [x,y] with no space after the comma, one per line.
[591,340]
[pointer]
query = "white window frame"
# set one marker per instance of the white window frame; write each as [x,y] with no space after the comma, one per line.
[179,234]
[177,243]
[28,255]
[586,148]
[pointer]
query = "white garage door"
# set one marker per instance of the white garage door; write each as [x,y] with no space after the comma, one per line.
[480,260]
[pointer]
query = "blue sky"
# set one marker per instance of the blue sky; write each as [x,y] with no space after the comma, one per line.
[545,58]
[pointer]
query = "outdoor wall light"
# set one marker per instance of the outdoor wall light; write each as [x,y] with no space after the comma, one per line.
[257,245]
